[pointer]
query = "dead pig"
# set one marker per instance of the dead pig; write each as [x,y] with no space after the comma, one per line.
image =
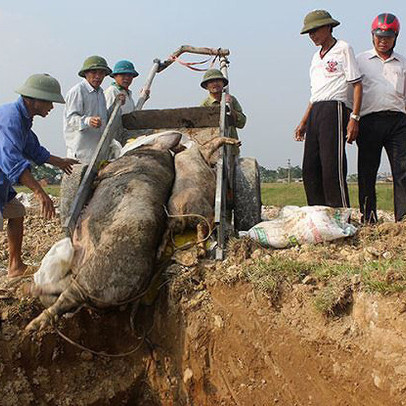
[119,231]
[193,192]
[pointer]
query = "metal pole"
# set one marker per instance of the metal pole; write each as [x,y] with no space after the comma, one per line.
[224,70]
[143,98]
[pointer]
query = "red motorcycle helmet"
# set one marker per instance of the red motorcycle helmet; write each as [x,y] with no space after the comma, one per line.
[385,25]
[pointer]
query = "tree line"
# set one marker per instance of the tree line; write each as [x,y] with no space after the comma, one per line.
[50,174]
[53,175]
[273,175]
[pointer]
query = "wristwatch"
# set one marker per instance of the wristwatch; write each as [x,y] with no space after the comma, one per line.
[355,117]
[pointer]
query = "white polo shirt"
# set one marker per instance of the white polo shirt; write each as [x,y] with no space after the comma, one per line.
[384,82]
[331,75]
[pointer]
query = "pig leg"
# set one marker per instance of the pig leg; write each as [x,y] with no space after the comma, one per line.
[164,243]
[176,224]
[48,293]
[208,149]
[202,230]
[48,289]
[70,299]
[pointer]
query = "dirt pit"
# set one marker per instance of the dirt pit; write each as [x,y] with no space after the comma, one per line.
[223,333]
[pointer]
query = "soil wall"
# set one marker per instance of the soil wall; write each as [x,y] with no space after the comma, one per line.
[211,345]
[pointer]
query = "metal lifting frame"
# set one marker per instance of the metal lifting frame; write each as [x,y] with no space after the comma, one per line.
[223,179]
[225,163]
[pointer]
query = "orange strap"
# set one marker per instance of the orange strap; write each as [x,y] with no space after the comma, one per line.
[191,65]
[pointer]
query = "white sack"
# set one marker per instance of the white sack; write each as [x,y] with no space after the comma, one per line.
[303,225]
[56,263]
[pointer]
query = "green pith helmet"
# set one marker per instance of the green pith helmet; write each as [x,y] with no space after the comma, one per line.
[42,86]
[94,62]
[212,74]
[316,19]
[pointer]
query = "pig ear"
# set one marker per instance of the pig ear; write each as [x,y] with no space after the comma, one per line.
[167,140]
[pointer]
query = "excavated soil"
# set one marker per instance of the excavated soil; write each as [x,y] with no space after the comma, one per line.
[210,338]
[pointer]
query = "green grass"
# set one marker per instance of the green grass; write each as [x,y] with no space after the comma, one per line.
[53,190]
[336,281]
[268,276]
[283,194]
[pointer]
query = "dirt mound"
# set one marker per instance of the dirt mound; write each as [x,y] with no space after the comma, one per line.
[311,325]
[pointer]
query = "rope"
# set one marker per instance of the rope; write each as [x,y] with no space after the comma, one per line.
[86,294]
[102,353]
[190,244]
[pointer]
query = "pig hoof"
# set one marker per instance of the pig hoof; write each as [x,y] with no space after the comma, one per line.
[201,252]
[233,141]
[160,253]
[40,322]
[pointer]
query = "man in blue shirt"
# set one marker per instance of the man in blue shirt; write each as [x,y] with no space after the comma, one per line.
[18,146]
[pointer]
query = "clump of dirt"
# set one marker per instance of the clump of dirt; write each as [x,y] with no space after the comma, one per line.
[310,325]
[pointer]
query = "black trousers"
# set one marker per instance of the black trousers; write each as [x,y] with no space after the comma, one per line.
[324,160]
[381,130]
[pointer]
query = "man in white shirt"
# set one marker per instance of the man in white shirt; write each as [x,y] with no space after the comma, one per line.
[332,71]
[383,117]
[85,115]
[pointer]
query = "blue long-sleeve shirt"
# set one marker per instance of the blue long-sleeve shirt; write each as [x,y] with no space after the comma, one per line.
[18,146]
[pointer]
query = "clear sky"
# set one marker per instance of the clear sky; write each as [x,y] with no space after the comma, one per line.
[269,58]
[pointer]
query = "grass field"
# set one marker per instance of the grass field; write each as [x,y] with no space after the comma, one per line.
[283,194]
[53,190]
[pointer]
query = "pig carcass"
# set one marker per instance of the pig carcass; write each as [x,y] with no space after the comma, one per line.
[191,205]
[119,231]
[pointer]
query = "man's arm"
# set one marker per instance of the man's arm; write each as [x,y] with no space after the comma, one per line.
[110,94]
[75,119]
[17,148]
[239,118]
[119,96]
[353,125]
[62,163]
[300,130]
[47,206]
